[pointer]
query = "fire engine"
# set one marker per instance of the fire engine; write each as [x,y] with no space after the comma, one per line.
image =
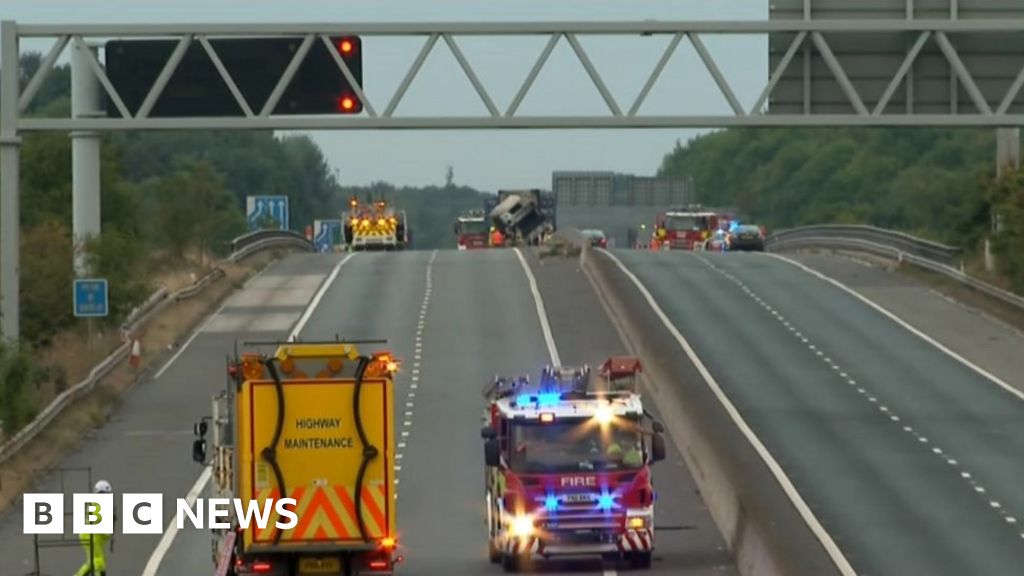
[568,466]
[374,226]
[688,228]
[471,231]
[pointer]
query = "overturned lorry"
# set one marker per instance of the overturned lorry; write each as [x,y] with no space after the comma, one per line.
[522,216]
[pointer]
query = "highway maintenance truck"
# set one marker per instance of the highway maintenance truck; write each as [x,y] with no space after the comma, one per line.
[471,231]
[568,466]
[374,226]
[312,422]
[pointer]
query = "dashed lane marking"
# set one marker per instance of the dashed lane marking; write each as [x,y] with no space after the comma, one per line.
[908,429]
[831,548]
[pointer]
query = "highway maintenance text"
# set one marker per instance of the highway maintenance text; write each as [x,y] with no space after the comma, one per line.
[318,442]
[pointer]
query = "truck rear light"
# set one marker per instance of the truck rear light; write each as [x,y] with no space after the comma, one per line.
[262,567]
[387,542]
[378,564]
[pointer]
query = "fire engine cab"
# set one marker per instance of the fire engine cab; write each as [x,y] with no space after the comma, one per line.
[568,466]
[688,228]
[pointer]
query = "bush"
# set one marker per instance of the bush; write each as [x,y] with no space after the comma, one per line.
[19,381]
[46,283]
[118,257]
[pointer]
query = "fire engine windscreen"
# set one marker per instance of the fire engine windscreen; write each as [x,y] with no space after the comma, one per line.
[473,227]
[575,445]
[684,223]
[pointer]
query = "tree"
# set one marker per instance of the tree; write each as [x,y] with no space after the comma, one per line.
[196,210]
[46,281]
[119,258]
[1006,197]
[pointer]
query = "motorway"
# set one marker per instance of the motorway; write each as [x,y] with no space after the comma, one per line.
[910,459]
[455,320]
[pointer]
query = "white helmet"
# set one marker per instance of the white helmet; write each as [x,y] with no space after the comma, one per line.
[103,487]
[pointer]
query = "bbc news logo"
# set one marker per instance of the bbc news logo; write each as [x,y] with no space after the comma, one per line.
[144,513]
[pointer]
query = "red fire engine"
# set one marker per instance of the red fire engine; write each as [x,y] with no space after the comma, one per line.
[568,466]
[687,228]
[471,231]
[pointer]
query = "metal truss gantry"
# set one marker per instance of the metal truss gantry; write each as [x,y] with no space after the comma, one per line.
[815,34]
[807,34]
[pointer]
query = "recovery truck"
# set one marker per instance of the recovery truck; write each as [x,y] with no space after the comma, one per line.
[313,422]
[374,226]
[471,231]
[689,228]
[520,216]
[568,466]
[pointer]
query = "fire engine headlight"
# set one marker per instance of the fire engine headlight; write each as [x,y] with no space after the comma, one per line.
[637,520]
[521,526]
[603,415]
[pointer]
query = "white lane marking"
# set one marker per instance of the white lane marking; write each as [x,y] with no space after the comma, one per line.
[324,287]
[153,565]
[991,377]
[185,346]
[157,557]
[787,485]
[908,429]
[541,314]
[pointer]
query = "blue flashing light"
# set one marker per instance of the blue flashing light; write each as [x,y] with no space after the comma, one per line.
[549,398]
[523,399]
[606,501]
[551,503]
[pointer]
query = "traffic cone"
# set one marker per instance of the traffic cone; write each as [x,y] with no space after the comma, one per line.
[136,356]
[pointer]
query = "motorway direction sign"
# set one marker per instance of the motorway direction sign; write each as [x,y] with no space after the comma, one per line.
[326,235]
[91,298]
[267,212]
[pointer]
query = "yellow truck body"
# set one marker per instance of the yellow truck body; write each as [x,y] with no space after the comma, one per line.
[302,431]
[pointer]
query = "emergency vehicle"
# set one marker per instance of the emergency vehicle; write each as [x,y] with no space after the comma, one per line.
[472,231]
[689,228]
[374,226]
[568,466]
[313,422]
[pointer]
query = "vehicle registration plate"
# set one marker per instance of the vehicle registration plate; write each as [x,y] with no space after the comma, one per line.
[320,566]
[578,498]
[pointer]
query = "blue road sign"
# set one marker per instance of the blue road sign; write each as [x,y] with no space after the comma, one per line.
[260,208]
[325,234]
[91,298]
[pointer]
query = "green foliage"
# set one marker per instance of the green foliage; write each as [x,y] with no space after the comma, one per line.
[19,381]
[120,258]
[924,181]
[46,281]
[1007,198]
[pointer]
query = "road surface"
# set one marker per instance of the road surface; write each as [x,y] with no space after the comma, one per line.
[909,458]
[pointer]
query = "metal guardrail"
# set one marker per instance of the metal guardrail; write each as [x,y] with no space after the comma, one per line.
[244,241]
[905,243]
[896,253]
[248,245]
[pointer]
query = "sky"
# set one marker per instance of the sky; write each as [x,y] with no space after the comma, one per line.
[493,159]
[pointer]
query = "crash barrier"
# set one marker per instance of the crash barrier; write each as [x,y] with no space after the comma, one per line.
[898,241]
[746,502]
[809,241]
[135,320]
[266,238]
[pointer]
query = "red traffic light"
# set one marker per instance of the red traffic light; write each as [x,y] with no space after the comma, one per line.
[347,103]
[346,46]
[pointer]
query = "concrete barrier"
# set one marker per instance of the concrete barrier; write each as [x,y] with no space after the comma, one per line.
[760,524]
